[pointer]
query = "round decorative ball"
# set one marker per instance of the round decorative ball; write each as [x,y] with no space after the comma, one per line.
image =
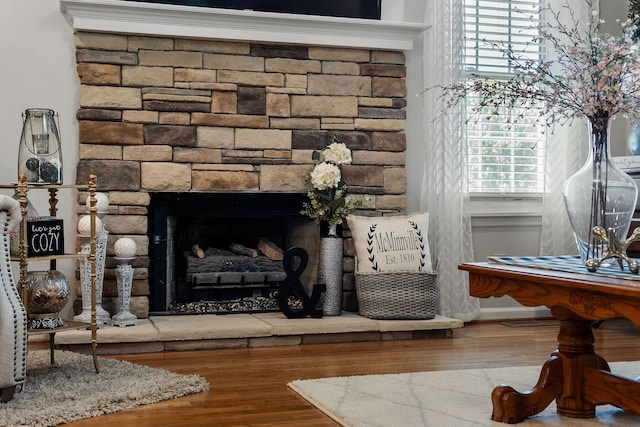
[84,225]
[125,248]
[102,202]
[47,292]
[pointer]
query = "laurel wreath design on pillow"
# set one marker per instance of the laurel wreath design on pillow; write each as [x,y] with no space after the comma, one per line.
[372,260]
[371,256]
[421,240]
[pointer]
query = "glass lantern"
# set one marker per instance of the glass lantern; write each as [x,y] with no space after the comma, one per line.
[40,156]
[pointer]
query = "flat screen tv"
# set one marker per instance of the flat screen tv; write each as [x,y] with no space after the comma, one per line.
[364,9]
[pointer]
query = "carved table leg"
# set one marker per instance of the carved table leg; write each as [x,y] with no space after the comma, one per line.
[577,352]
[604,388]
[510,406]
[576,376]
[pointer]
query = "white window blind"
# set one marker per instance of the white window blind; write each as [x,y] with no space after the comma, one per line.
[503,157]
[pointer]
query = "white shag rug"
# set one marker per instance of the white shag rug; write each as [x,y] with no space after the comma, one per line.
[71,389]
[460,398]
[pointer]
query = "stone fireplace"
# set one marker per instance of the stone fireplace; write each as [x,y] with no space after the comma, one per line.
[200,116]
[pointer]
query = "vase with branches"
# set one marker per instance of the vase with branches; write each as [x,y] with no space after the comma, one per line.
[590,75]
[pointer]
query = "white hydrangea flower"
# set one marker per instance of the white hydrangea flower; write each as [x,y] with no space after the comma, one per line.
[337,153]
[325,175]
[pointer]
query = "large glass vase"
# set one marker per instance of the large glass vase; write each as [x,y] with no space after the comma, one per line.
[599,194]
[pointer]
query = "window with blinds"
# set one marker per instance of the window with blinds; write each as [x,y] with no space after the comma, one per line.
[503,157]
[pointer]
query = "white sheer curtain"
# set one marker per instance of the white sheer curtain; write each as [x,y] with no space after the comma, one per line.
[444,188]
[566,151]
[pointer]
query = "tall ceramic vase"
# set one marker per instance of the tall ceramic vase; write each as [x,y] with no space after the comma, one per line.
[330,272]
[599,194]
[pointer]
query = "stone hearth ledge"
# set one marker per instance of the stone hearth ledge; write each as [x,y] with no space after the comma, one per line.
[208,331]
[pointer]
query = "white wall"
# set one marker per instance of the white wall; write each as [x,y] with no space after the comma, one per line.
[38,70]
[403,10]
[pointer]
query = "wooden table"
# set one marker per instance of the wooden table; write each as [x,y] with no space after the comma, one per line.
[575,375]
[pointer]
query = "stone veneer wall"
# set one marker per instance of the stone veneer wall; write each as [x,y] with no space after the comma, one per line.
[190,115]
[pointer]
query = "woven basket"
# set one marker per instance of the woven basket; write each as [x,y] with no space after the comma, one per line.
[397,295]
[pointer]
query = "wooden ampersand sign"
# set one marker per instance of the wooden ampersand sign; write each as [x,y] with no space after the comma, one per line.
[295,261]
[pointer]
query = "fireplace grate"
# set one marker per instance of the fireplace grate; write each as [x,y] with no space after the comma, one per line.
[220,280]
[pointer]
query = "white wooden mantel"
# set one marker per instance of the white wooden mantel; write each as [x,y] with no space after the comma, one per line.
[132,17]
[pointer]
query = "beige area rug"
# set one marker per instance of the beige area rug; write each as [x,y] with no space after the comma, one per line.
[442,399]
[71,389]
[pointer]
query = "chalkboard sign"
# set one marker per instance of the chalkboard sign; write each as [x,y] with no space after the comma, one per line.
[45,237]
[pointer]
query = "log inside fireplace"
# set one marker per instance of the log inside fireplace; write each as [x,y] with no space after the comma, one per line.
[223,275]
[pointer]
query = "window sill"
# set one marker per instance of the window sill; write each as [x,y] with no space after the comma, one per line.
[505,205]
[506,210]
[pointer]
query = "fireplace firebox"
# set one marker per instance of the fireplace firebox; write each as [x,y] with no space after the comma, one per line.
[195,237]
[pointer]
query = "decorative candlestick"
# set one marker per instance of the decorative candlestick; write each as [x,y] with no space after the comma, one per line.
[103,317]
[125,250]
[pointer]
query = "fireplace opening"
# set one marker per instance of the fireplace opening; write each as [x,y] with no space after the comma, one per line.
[221,252]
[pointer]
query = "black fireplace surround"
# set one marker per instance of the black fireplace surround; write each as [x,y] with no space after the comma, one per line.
[211,220]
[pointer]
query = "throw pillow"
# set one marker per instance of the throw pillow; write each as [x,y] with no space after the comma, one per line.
[391,243]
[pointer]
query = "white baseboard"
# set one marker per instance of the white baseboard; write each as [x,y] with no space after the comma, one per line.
[503,313]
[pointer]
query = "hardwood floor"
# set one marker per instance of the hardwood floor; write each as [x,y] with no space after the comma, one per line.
[248,386]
